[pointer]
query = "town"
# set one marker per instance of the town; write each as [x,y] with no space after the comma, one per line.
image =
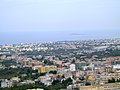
[61,65]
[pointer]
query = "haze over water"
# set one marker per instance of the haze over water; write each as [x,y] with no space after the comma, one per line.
[31,37]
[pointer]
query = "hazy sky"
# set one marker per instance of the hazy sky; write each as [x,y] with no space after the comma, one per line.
[59,15]
[72,16]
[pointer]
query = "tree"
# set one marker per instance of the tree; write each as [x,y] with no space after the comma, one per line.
[55,82]
[68,81]
[118,80]
[48,62]
[111,80]
[81,78]
[53,72]
[87,84]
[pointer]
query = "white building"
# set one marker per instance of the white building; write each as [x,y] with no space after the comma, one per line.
[116,66]
[46,80]
[6,83]
[72,67]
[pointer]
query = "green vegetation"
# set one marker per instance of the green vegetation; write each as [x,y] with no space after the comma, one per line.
[55,82]
[48,62]
[87,83]
[57,86]
[53,72]
[13,72]
[113,80]
[81,78]
[67,82]
[8,63]
[118,80]
[114,52]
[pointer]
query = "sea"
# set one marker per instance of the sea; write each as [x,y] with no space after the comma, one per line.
[48,36]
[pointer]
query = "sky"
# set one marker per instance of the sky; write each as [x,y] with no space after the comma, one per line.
[43,19]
